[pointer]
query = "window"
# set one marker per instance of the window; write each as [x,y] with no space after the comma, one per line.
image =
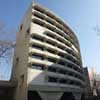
[50,21]
[39,22]
[59,39]
[52,60]
[71,82]
[21,26]
[62,71]
[51,51]
[61,47]
[69,58]
[49,42]
[61,62]
[38,66]
[52,79]
[63,81]
[70,73]
[38,56]
[38,15]
[49,15]
[21,81]
[59,26]
[52,69]
[17,61]
[39,9]
[70,52]
[69,65]
[28,30]
[37,37]
[61,54]
[67,43]
[78,84]
[37,46]
[49,34]
[50,27]
[58,32]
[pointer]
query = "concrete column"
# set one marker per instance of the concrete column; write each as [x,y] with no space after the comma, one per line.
[77,96]
[50,95]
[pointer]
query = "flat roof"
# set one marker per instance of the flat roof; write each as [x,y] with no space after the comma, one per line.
[7,84]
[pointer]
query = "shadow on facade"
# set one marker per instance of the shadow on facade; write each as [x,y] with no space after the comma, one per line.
[83,97]
[67,96]
[6,94]
[33,95]
[40,79]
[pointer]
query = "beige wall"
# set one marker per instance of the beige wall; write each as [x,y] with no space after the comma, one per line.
[21,53]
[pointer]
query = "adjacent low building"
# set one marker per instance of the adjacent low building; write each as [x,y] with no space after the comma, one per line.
[88,88]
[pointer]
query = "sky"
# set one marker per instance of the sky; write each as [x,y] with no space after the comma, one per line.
[81,15]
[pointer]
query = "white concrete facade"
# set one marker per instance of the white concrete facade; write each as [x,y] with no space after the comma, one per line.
[47,56]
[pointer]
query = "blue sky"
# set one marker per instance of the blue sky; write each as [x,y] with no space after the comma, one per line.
[81,15]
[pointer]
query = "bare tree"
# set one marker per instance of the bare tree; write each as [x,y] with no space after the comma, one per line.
[97,30]
[7,43]
[95,82]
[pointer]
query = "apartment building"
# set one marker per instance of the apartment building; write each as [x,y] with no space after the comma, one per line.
[47,60]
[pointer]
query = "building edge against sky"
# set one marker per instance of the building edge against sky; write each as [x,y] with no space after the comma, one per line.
[47,57]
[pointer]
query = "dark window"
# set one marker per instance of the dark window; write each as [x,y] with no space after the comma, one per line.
[49,34]
[71,74]
[63,81]
[69,65]
[52,79]
[59,21]
[58,32]
[22,79]
[17,61]
[50,27]
[33,94]
[37,46]
[61,54]
[59,26]
[38,15]
[61,47]
[39,9]
[70,52]
[49,42]
[28,30]
[37,38]
[52,69]
[60,40]
[71,59]
[38,66]
[50,21]
[68,44]
[77,83]
[61,62]
[21,27]
[50,15]
[38,22]
[71,82]
[77,63]
[62,71]
[52,60]
[51,51]
[38,56]
[76,76]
